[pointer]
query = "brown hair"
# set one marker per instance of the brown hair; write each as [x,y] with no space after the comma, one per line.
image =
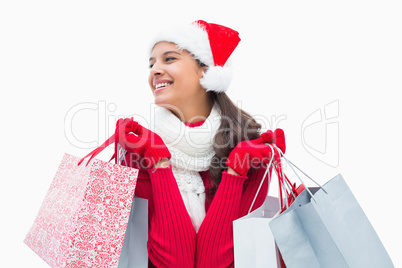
[236,126]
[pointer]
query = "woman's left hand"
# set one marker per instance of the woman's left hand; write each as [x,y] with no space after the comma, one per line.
[251,153]
[135,138]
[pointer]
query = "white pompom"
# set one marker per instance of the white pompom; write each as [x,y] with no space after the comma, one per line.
[217,78]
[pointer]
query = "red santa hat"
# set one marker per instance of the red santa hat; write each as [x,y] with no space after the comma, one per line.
[210,43]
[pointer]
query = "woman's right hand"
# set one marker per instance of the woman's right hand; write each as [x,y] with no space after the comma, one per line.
[135,138]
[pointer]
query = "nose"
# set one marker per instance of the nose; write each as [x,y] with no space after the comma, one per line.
[156,69]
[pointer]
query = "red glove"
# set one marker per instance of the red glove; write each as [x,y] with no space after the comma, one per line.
[134,138]
[252,153]
[277,137]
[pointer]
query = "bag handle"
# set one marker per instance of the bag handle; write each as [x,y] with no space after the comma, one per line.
[95,152]
[281,181]
[120,155]
[263,179]
[282,184]
[112,139]
[294,171]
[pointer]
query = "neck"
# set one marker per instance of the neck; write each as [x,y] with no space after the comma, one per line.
[193,112]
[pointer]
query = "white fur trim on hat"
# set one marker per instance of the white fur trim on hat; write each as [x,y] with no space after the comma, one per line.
[189,37]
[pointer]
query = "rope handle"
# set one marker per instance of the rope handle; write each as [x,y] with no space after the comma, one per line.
[286,188]
[292,166]
[118,151]
[99,149]
[263,179]
[282,179]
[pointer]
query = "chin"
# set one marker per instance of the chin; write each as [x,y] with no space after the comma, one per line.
[173,108]
[162,103]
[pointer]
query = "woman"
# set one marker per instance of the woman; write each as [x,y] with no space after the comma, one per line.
[200,167]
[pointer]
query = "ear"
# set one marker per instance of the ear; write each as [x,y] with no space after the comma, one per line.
[202,70]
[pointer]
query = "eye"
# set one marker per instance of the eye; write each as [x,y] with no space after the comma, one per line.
[150,66]
[169,59]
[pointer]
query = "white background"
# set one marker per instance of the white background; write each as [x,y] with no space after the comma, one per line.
[295,58]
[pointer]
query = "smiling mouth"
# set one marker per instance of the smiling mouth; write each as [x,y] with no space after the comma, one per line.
[161,86]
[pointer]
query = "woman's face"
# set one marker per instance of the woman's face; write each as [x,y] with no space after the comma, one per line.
[174,76]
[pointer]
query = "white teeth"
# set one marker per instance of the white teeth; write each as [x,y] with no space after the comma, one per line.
[161,85]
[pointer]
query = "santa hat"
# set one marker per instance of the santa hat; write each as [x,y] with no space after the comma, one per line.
[210,43]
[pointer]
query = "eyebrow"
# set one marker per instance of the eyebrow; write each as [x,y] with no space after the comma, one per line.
[165,53]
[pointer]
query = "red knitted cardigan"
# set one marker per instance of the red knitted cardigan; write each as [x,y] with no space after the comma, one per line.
[172,240]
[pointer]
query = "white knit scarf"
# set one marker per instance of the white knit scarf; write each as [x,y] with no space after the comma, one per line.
[192,151]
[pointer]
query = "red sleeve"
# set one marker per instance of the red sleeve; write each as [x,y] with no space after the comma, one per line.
[143,189]
[172,238]
[232,200]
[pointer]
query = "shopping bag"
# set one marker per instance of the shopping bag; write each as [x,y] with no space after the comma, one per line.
[134,252]
[83,218]
[254,244]
[326,227]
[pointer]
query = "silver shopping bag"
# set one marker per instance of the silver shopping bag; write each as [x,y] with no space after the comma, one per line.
[134,252]
[254,244]
[326,227]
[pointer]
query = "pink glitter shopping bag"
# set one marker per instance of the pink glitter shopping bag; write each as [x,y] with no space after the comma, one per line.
[83,219]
